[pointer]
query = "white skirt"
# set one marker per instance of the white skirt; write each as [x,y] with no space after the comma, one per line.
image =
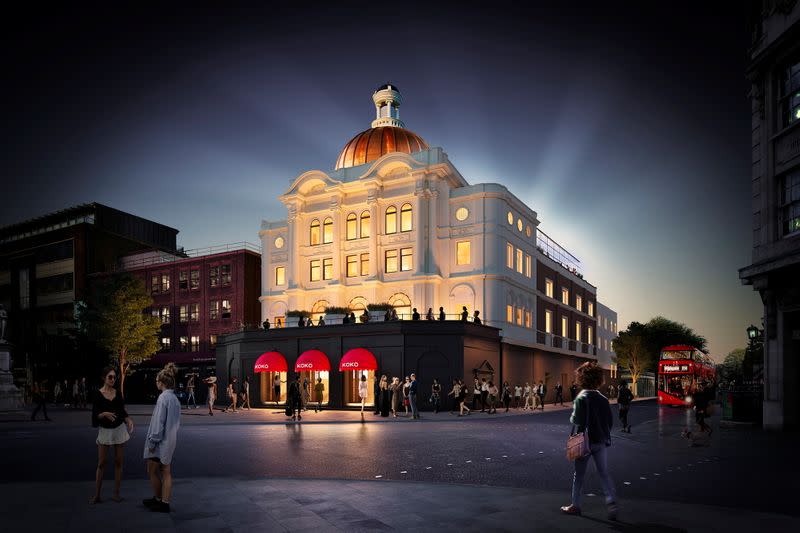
[111,437]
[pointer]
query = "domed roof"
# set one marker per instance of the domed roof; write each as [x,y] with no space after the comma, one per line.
[373,143]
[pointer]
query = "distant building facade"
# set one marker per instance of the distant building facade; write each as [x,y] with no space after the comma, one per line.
[45,268]
[774,72]
[607,329]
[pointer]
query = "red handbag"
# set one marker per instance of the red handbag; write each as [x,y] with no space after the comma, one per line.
[578,443]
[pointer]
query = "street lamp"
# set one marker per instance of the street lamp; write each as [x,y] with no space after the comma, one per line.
[752,333]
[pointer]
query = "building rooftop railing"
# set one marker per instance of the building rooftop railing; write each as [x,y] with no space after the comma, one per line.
[558,253]
[159,258]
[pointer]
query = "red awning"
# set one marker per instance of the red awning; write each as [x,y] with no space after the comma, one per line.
[312,360]
[271,362]
[358,359]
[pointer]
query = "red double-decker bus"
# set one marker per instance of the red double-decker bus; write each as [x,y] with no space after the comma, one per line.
[681,369]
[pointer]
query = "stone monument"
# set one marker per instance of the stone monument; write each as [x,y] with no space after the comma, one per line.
[10,395]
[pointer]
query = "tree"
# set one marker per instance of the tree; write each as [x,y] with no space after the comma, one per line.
[731,367]
[116,320]
[638,347]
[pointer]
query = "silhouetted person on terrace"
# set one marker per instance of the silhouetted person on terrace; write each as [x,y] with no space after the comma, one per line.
[265,324]
[441,314]
[429,316]
[415,315]
[464,314]
[476,319]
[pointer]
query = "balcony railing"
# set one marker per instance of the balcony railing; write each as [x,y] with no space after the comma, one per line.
[557,253]
[158,258]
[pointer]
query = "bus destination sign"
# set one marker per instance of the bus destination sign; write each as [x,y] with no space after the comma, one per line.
[675,368]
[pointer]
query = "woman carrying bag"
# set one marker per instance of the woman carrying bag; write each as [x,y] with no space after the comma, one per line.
[592,414]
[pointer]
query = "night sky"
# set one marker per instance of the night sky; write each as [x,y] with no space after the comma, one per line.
[626,128]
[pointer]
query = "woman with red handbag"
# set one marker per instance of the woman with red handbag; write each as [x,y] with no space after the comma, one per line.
[592,414]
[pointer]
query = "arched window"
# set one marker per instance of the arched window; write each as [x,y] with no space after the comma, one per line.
[405,217]
[352,221]
[365,224]
[314,236]
[401,304]
[318,310]
[359,303]
[327,231]
[391,219]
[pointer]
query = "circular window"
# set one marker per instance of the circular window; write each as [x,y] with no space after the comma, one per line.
[279,242]
[519,224]
[511,218]
[462,213]
[528,231]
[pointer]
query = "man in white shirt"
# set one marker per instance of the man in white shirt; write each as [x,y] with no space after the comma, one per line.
[484,394]
[476,393]
[517,395]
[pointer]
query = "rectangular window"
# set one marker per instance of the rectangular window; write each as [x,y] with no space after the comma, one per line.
[528,268]
[327,231]
[351,226]
[548,287]
[406,259]
[463,253]
[578,303]
[184,314]
[548,322]
[183,280]
[565,296]
[226,308]
[165,279]
[327,268]
[165,314]
[519,316]
[213,310]
[509,255]
[789,100]
[212,340]
[226,275]
[194,280]
[352,266]
[510,313]
[213,276]
[589,335]
[564,331]
[165,344]
[790,204]
[194,312]
[527,319]
[391,261]
[195,343]
[155,284]
[184,343]
[316,270]
[590,309]
[365,264]
[519,260]
[280,275]
[578,331]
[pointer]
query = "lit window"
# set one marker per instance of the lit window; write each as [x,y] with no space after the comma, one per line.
[790,202]
[365,224]
[226,275]
[528,231]
[183,280]
[519,224]
[528,269]
[165,278]
[352,223]
[166,342]
[519,260]
[184,343]
[509,255]
[327,268]
[463,253]
[351,262]
[510,217]
[548,287]
[391,261]
[519,316]
[213,276]
[578,331]
[313,237]
[279,242]
[213,310]
[589,335]
[194,312]
[391,219]
[155,284]
[564,330]
[548,322]
[461,214]
[578,303]
[789,100]
[316,270]
[195,343]
[280,275]
[405,218]
[327,231]
[509,313]
[226,308]
[364,264]
[527,319]
[565,296]
[212,340]
[194,280]
[406,262]
[184,314]
[590,309]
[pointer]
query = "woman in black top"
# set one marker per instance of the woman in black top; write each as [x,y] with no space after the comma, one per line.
[109,414]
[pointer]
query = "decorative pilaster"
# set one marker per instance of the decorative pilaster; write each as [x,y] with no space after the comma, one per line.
[374,233]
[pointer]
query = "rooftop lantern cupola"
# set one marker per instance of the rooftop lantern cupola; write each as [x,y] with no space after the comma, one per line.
[387,106]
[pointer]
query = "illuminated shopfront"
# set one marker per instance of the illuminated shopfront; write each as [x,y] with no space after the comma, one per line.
[313,365]
[271,365]
[354,364]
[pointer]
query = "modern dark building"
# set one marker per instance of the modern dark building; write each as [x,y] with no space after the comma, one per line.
[774,72]
[45,267]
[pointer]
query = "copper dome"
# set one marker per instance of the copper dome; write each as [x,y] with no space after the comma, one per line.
[373,143]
